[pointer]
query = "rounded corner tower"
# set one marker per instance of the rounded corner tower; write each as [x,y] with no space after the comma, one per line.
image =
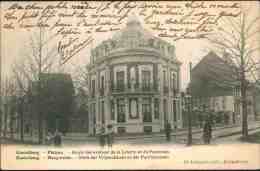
[134,82]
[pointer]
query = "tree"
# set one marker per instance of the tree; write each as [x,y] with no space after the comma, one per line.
[239,46]
[80,79]
[36,59]
[9,100]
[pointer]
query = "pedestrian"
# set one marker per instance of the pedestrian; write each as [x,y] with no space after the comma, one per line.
[168,131]
[57,138]
[207,132]
[102,139]
[49,138]
[110,135]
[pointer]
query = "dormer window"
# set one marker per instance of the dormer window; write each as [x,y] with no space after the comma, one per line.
[169,50]
[151,43]
[97,53]
[113,44]
[106,49]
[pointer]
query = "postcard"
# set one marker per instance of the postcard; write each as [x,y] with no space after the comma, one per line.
[130,85]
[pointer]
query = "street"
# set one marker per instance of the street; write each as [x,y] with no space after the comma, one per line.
[221,135]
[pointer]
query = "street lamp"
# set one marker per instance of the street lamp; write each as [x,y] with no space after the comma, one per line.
[188,100]
[188,107]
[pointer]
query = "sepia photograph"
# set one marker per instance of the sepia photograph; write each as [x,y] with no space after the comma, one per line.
[151,82]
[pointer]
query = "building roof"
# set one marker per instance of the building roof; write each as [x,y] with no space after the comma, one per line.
[134,36]
[57,91]
[133,29]
[212,76]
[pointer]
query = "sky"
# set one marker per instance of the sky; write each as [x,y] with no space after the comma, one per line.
[13,44]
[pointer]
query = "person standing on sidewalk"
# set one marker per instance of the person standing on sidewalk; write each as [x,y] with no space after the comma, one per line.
[110,136]
[102,139]
[207,131]
[168,131]
[57,138]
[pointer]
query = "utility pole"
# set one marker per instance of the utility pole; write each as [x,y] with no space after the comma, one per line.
[1,106]
[40,131]
[189,142]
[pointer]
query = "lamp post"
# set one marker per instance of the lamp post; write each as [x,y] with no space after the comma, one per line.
[188,108]
[188,100]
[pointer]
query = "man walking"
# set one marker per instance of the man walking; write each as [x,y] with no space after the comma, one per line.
[207,131]
[168,131]
[110,135]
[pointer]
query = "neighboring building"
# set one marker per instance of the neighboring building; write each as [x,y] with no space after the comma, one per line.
[215,89]
[9,117]
[79,119]
[56,102]
[134,83]
[256,100]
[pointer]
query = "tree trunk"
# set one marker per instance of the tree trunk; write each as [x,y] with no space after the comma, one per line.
[244,109]
[5,120]
[40,136]
[12,127]
[21,126]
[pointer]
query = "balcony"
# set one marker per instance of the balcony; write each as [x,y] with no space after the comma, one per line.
[101,91]
[147,117]
[175,92]
[137,88]
[165,90]
[93,93]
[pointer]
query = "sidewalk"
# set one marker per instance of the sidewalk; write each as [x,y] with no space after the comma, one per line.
[177,132]
[181,134]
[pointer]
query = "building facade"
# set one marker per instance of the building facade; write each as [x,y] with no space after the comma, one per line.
[215,89]
[134,83]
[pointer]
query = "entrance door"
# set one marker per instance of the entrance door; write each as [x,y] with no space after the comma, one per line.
[146,110]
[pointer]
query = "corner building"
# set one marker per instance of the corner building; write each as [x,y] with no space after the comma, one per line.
[134,83]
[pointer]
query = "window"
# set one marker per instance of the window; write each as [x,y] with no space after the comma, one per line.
[146,77]
[133,108]
[102,85]
[113,44]
[27,128]
[156,109]
[121,130]
[146,110]
[103,112]
[151,42]
[148,129]
[120,77]
[173,81]
[178,109]
[121,110]
[165,110]
[102,82]
[112,117]
[93,87]
[174,110]
[132,77]
[169,50]
[165,84]
[94,113]
[249,111]
[164,79]
[224,103]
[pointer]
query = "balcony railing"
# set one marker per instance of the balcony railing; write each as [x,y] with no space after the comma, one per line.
[165,90]
[175,92]
[101,91]
[93,93]
[134,88]
[147,117]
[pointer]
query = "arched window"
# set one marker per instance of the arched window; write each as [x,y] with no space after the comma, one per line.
[151,43]
[132,76]
[113,44]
